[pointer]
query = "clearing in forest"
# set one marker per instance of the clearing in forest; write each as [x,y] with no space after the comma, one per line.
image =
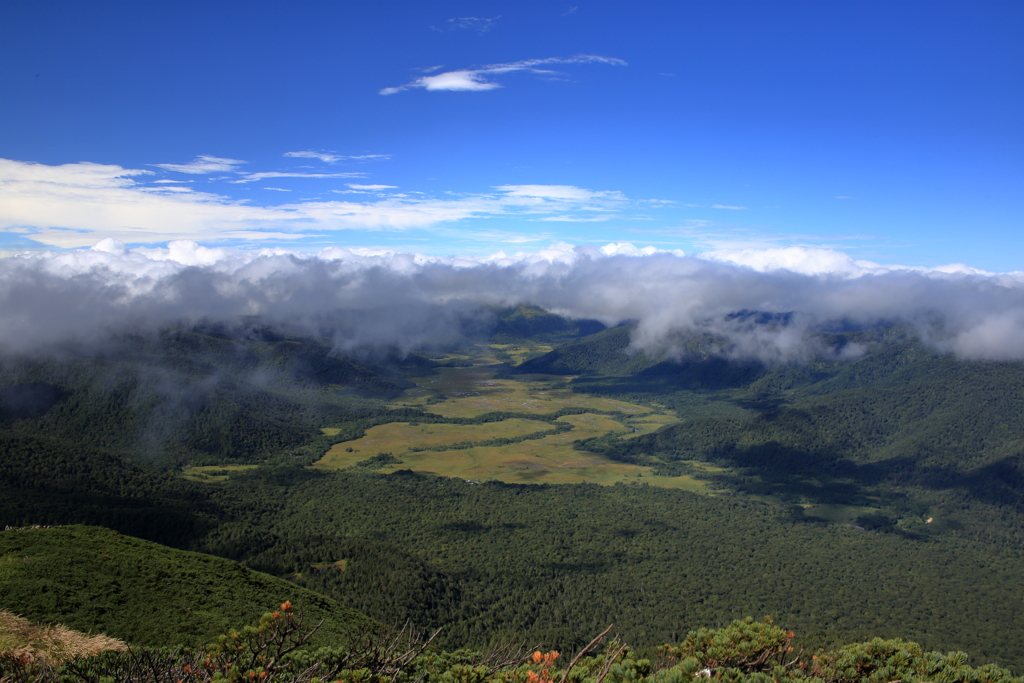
[472,391]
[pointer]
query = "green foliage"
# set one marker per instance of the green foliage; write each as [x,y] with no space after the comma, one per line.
[888,660]
[926,450]
[378,461]
[913,433]
[48,481]
[554,563]
[528,323]
[746,645]
[745,651]
[190,396]
[93,579]
[604,352]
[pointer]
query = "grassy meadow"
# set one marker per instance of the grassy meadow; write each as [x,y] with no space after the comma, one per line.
[476,390]
[466,392]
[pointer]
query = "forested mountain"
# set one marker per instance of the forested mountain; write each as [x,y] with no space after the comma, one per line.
[193,395]
[916,433]
[919,454]
[531,324]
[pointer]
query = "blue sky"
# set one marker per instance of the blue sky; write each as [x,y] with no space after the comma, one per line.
[891,131]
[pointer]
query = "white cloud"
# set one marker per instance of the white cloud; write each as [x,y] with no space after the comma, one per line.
[277,189]
[167,188]
[577,219]
[481,24]
[76,204]
[380,296]
[808,261]
[731,208]
[478,79]
[567,192]
[628,249]
[203,164]
[372,187]
[252,177]
[326,157]
[331,158]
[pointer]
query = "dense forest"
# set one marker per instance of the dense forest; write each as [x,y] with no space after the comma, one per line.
[924,451]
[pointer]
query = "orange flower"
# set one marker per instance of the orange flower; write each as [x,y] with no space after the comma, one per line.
[537,657]
[286,606]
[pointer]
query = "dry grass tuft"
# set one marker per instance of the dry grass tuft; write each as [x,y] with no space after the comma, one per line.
[50,645]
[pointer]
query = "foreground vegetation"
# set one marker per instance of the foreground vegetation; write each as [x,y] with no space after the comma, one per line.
[274,651]
[93,579]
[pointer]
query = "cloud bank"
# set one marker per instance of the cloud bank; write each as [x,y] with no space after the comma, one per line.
[765,304]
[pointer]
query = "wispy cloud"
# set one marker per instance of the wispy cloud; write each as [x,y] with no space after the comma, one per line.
[481,24]
[202,165]
[74,205]
[331,158]
[577,219]
[560,192]
[731,208]
[252,177]
[479,79]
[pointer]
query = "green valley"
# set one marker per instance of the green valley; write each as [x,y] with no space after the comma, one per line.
[538,495]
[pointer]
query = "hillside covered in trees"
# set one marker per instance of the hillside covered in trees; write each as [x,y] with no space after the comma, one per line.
[878,496]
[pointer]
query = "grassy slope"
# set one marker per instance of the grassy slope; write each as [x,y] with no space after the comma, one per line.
[93,579]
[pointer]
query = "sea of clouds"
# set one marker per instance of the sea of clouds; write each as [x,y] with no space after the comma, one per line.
[365,298]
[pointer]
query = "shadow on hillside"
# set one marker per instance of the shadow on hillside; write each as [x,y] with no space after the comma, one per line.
[824,477]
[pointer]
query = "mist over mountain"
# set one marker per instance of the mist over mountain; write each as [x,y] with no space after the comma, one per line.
[765,304]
